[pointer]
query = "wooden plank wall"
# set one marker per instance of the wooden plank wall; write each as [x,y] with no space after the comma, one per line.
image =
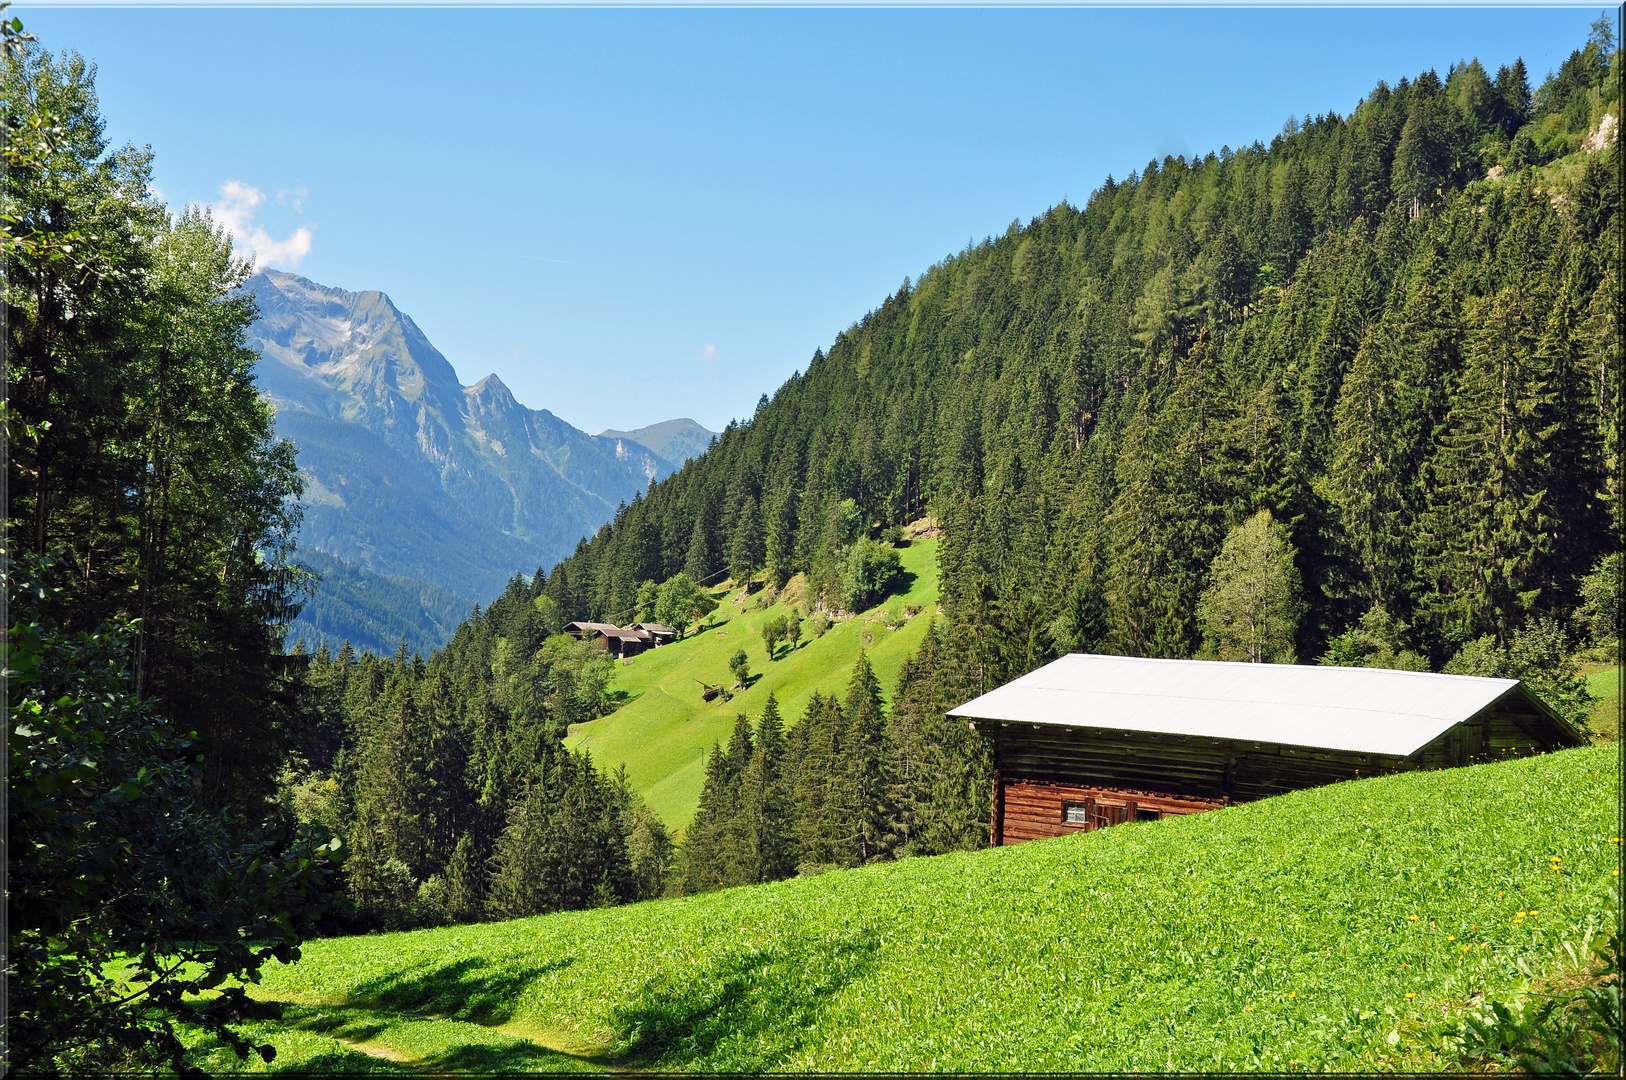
[1033,811]
[1190,767]
[1040,767]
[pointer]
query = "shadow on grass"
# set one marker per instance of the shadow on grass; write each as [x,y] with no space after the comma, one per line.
[342,1063]
[472,989]
[522,1057]
[742,1012]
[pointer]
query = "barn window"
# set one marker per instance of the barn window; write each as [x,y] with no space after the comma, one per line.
[1147,815]
[1074,814]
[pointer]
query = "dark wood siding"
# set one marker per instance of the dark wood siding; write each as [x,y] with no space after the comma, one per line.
[1033,811]
[1182,767]
[1039,768]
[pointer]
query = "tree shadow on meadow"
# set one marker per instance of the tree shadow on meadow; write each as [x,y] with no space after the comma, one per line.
[742,1012]
[472,989]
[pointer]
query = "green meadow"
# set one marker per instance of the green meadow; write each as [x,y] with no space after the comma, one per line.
[1335,929]
[664,728]
[1604,686]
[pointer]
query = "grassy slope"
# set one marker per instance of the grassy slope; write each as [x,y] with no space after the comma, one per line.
[1287,933]
[1604,684]
[660,734]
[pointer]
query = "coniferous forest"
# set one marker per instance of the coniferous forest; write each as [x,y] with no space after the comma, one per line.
[1349,397]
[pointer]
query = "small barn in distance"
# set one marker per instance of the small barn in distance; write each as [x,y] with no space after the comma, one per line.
[585,630]
[659,633]
[1089,741]
[622,641]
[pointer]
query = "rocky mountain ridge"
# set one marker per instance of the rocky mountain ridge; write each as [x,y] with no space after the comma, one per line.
[409,472]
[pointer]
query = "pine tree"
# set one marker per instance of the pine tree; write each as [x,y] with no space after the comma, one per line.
[1489,529]
[1389,407]
[765,810]
[860,797]
[698,563]
[704,859]
[817,828]
[745,543]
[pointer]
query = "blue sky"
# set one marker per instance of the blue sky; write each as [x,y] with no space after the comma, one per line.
[632,215]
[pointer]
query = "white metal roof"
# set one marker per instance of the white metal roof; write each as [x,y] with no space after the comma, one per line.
[1363,710]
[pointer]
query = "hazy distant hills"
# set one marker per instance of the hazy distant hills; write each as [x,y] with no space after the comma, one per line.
[412,475]
[675,440]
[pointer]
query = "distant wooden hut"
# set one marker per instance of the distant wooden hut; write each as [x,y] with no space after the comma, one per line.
[1089,741]
[659,633]
[586,630]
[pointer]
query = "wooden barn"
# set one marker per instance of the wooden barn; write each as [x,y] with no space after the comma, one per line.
[659,633]
[586,630]
[1090,741]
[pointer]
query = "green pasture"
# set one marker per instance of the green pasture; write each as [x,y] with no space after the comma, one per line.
[1604,686]
[1342,928]
[665,727]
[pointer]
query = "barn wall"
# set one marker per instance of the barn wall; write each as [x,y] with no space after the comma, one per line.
[1038,768]
[1182,767]
[1034,811]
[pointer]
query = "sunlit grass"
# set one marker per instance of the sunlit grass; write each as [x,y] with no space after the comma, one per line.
[1335,929]
[665,727]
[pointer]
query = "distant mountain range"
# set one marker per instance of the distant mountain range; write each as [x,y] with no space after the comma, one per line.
[675,440]
[413,476]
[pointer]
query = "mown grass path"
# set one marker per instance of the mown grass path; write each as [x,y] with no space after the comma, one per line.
[1339,929]
[665,727]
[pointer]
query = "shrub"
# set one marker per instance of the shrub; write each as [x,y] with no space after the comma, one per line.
[1539,655]
[873,570]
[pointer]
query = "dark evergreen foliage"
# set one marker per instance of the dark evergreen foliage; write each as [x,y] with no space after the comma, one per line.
[1330,328]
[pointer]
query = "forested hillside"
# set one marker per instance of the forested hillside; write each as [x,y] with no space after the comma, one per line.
[1350,397]
[1394,331]
[373,612]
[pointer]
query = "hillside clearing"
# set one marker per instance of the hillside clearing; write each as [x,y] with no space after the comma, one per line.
[660,734]
[1340,928]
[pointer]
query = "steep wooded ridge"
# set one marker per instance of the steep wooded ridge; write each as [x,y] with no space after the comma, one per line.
[1394,330]
[410,473]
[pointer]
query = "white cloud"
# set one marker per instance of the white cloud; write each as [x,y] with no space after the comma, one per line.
[708,352]
[294,197]
[236,209]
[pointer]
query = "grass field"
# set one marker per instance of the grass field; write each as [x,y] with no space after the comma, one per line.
[1340,928]
[1604,685]
[664,728]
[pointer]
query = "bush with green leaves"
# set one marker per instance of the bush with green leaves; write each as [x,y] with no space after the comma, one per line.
[1541,656]
[1599,614]
[871,572]
[1377,641]
[127,901]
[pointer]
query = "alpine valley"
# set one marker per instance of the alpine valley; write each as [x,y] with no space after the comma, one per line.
[424,495]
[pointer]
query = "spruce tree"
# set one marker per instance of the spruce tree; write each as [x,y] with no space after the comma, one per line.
[861,797]
[817,835]
[1489,530]
[765,806]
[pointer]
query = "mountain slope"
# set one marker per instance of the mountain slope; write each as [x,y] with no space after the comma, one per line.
[412,473]
[1338,929]
[675,440]
[660,734]
[374,611]
[1323,327]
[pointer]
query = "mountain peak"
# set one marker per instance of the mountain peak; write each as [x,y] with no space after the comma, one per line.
[675,440]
